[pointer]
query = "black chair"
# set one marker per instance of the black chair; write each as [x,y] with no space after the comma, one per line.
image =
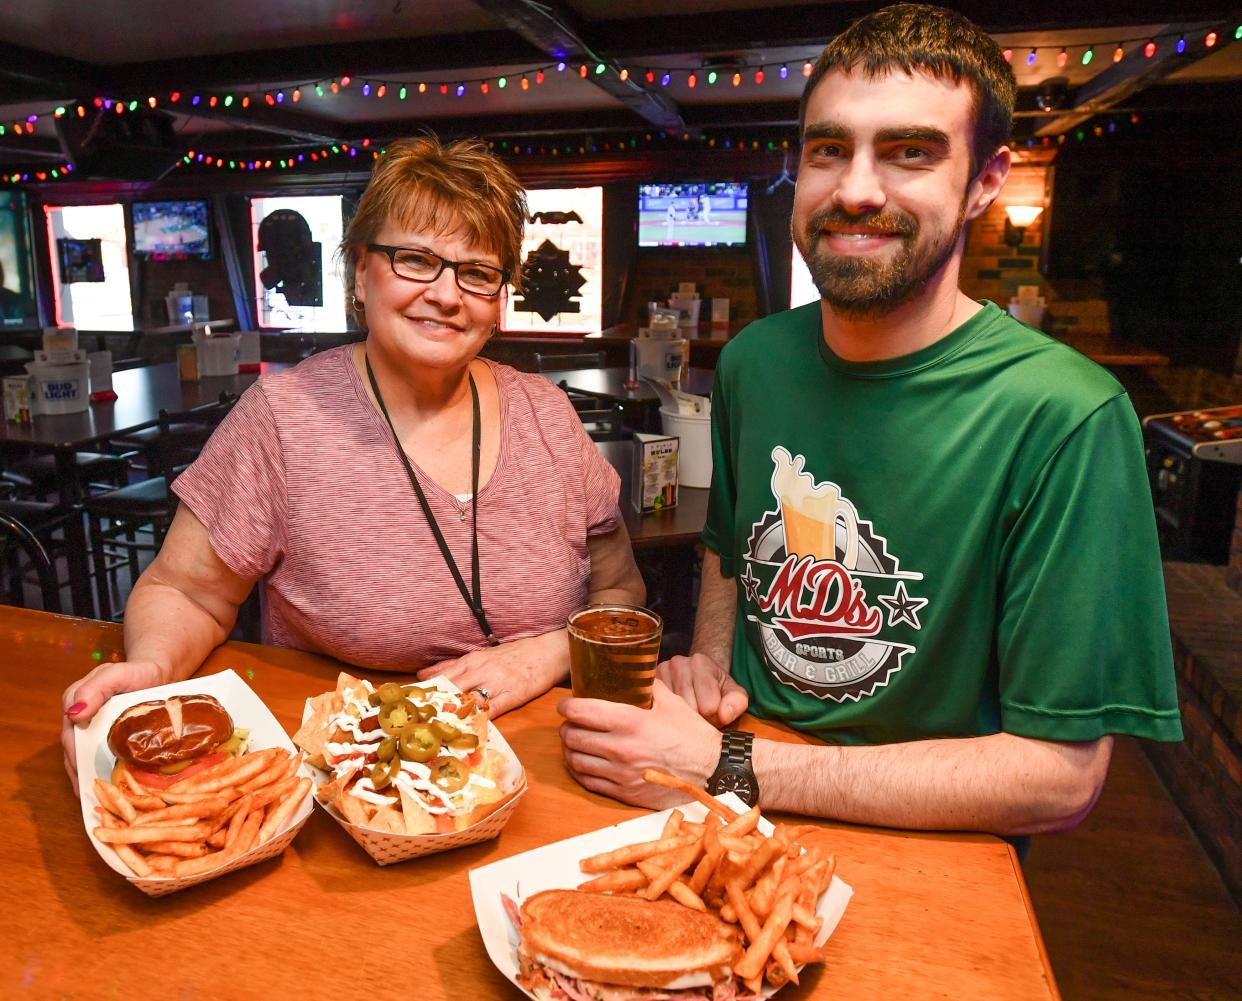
[604,424]
[561,362]
[38,476]
[18,542]
[149,505]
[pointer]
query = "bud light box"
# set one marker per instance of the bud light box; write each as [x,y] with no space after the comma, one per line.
[654,483]
[60,389]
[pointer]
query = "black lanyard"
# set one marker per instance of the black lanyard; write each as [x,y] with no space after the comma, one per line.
[475,602]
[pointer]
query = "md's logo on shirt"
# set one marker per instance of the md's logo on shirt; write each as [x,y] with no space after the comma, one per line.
[823,589]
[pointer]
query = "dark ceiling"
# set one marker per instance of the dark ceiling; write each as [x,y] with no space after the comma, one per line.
[256,68]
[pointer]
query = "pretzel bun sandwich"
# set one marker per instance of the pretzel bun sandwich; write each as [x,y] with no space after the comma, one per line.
[164,741]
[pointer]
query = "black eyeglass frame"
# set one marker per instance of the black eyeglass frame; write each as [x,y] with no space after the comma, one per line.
[391,254]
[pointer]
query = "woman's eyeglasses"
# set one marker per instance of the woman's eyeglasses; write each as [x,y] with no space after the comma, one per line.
[424,266]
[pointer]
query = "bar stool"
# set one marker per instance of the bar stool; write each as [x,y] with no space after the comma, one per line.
[38,476]
[148,505]
[27,529]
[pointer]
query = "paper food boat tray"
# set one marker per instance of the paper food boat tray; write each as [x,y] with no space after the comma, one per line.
[386,848]
[95,760]
[555,866]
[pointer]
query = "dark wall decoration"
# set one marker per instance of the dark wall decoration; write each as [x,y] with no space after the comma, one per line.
[550,282]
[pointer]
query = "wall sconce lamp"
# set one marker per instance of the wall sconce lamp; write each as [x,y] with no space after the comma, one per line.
[1017,218]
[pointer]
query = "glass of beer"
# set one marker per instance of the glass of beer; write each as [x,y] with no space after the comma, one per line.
[613,650]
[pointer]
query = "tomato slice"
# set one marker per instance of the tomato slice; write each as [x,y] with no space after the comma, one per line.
[158,780]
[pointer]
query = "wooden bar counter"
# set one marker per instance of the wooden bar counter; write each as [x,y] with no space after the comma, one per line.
[933,916]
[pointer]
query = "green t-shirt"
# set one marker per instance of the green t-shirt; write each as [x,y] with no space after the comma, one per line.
[950,543]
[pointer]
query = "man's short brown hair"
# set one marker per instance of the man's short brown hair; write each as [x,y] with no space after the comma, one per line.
[450,188]
[942,43]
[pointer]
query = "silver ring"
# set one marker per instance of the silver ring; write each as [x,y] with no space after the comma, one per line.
[487,696]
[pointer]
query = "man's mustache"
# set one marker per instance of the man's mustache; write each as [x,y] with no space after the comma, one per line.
[892,222]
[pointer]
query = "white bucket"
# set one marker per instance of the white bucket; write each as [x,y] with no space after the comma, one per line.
[59,389]
[219,354]
[694,462]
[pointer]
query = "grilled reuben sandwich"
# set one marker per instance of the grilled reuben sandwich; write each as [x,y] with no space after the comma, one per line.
[597,947]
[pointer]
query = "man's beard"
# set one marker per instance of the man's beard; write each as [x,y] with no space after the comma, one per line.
[864,287]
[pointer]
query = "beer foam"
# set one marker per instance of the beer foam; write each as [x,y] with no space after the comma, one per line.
[810,511]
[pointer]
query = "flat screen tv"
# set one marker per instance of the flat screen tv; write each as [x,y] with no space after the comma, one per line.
[171,230]
[692,215]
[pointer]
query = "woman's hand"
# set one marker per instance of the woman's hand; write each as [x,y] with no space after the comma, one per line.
[512,673]
[83,698]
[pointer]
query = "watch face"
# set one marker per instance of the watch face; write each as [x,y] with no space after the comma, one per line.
[740,784]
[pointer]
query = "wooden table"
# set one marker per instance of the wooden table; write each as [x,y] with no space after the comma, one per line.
[681,525]
[933,916]
[141,393]
[1113,352]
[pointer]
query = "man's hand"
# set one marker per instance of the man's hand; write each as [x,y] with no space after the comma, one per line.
[83,698]
[607,745]
[512,673]
[706,687]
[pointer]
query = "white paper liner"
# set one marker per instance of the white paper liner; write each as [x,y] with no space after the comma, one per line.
[96,760]
[555,867]
[386,848]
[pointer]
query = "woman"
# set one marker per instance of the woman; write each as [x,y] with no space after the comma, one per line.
[304,485]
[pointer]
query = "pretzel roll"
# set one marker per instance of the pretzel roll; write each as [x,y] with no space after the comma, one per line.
[167,731]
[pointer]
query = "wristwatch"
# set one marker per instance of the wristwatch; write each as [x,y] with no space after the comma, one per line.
[733,773]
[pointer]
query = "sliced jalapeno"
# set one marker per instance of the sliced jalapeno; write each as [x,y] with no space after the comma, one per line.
[383,774]
[374,699]
[445,731]
[395,716]
[447,775]
[467,741]
[387,748]
[390,691]
[418,743]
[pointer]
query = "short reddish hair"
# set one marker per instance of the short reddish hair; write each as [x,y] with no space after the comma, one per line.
[456,187]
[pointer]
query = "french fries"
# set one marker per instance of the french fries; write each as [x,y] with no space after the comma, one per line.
[768,885]
[204,821]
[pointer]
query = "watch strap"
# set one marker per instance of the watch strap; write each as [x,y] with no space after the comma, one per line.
[735,747]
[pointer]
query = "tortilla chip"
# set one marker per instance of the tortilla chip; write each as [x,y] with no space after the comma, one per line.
[312,735]
[354,810]
[346,683]
[330,792]
[388,818]
[417,819]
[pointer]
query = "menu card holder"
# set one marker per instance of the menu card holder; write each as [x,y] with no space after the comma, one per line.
[655,472]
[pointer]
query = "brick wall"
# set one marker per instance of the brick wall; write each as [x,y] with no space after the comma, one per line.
[717,273]
[1233,575]
[991,269]
[1204,772]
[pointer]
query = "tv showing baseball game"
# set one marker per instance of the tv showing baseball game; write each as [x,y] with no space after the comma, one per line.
[171,230]
[692,215]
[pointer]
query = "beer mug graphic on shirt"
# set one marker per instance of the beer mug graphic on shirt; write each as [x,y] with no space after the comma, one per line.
[817,521]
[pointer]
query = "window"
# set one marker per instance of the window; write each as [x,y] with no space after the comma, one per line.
[581,235]
[17,299]
[91,266]
[296,279]
[801,289]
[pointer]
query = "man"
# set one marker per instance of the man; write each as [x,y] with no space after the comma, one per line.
[930,541]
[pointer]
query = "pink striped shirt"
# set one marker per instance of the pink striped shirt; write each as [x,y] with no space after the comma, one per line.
[302,486]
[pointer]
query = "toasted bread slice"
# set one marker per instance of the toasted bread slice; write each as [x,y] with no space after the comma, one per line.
[627,941]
